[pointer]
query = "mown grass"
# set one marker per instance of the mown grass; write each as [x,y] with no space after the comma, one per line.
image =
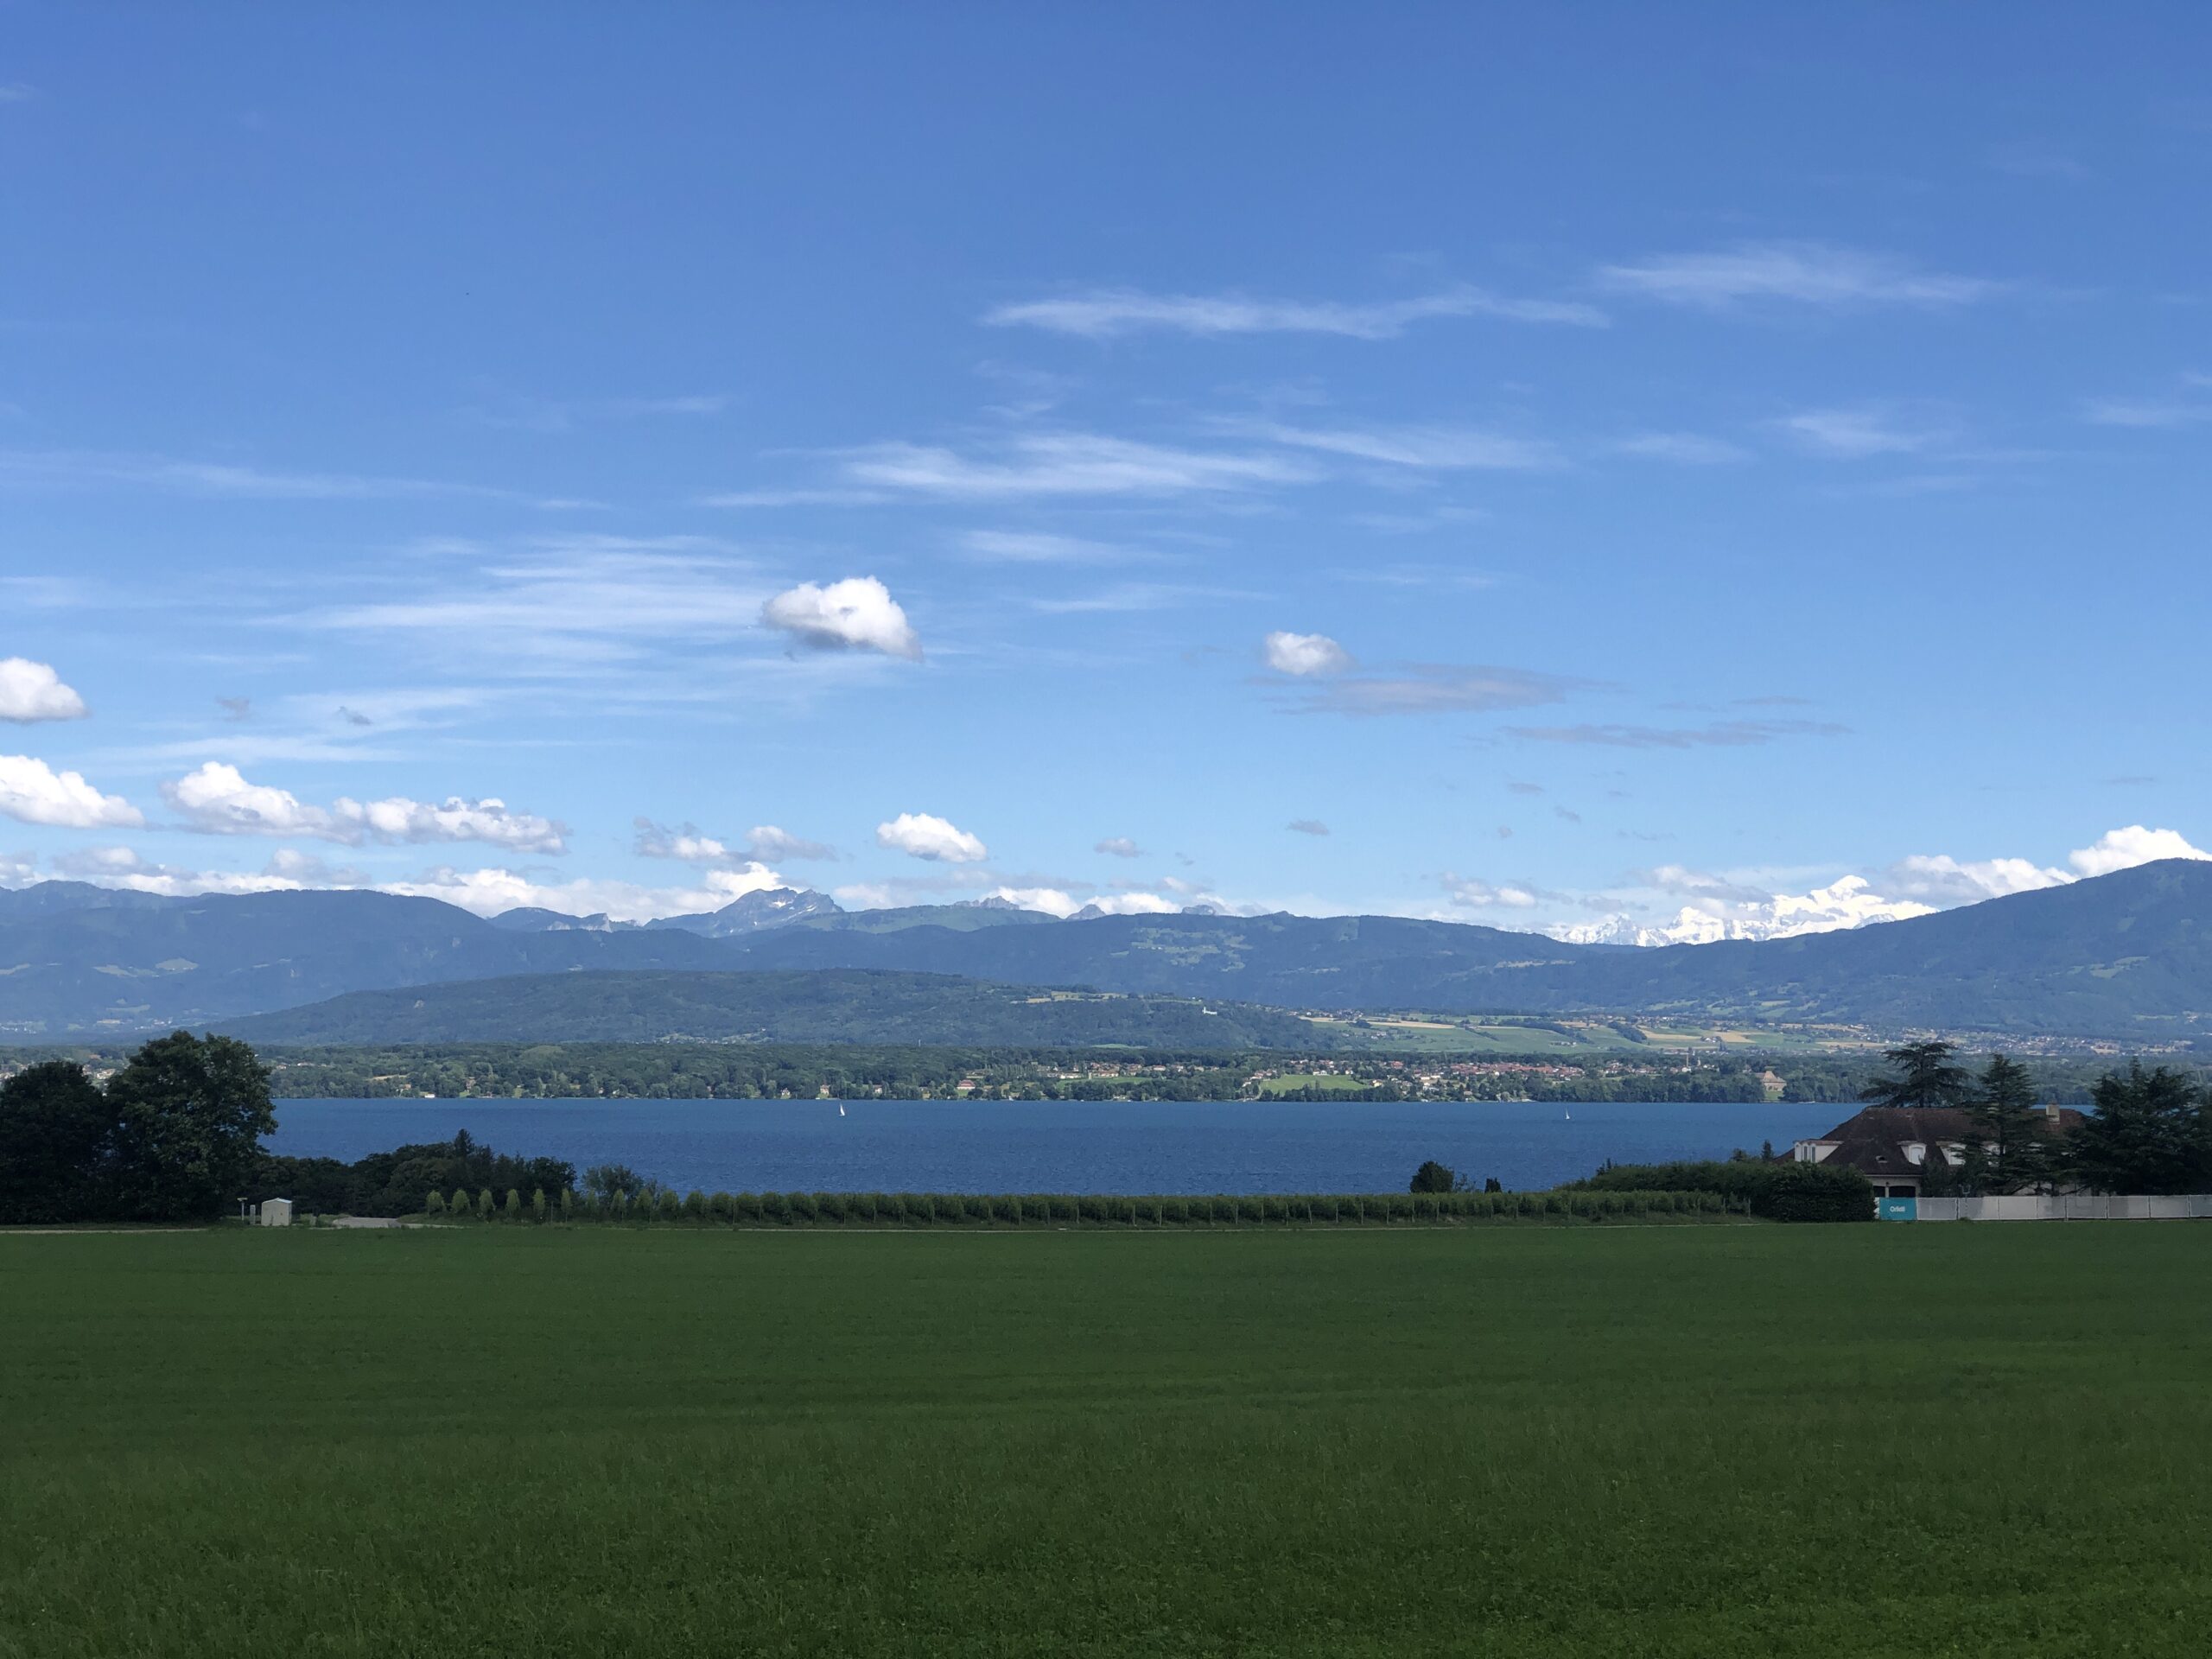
[1753,1441]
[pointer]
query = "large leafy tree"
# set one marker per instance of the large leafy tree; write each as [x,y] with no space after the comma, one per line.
[55,1134]
[1927,1074]
[190,1113]
[2150,1133]
[2012,1135]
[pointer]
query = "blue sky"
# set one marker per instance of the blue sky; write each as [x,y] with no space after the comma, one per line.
[618,458]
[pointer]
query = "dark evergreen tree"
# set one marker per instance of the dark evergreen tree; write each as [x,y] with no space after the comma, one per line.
[1433,1177]
[2148,1134]
[2012,1135]
[1927,1075]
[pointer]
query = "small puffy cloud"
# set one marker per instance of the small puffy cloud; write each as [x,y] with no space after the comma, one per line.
[764,843]
[1306,653]
[1307,827]
[919,834]
[2123,849]
[1119,846]
[32,793]
[1483,895]
[216,799]
[31,691]
[856,615]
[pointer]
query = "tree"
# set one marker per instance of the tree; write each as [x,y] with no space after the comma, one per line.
[2008,1128]
[458,1205]
[485,1209]
[189,1114]
[55,1132]
[1926,1077]
[514,1204]
[436,1204]
[1490,1183]
[2150,1133]
[610,1180]
[1433,1177]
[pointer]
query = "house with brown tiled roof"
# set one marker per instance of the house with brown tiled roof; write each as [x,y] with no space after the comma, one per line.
[1893,1146]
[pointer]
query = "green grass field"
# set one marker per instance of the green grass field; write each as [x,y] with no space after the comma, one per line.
[1713,1441]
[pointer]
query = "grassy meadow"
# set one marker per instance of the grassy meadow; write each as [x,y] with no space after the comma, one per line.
[1713,1441]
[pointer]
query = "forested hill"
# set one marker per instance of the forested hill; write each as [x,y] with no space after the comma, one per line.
[833,1006]
[2128,955]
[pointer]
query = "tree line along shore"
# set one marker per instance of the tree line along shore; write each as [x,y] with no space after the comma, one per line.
[854,1071]
[176,1132]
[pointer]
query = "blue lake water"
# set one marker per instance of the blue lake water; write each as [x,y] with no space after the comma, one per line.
[938,1146]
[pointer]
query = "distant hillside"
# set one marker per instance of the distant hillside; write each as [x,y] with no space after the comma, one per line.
[185,962]
[836,1006]
[2127,956]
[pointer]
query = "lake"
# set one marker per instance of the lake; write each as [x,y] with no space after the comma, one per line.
[1167,1146]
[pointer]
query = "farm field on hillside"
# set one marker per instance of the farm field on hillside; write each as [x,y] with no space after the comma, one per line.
[1551,1441]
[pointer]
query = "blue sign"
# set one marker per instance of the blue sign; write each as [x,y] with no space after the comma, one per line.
[1897,1209]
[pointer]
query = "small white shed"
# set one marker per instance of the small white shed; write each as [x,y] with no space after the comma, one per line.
[275,1212]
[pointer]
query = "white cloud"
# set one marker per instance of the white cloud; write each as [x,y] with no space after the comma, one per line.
[919,834]
[1941,880]
[1035,547]
[1853,433]
[217,799]
[31,691]
[1102,314]
[1064,464]
[1690,449]
[1434,688]
[1716,734]
[1440,448]
[78,469]
[577,599]
[1482,896]
[1119,846]
[765,841]
[1807,273]
[488,891]
[32,793]
[857,613]
[1056,901]
[1306,653]
[2123,849]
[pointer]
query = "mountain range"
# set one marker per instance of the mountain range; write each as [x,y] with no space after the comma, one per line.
[2127,956]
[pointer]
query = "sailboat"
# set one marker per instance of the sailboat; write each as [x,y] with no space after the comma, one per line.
[841,1109]
[1567,1116]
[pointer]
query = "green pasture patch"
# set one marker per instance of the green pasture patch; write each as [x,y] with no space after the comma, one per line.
[1649,1441]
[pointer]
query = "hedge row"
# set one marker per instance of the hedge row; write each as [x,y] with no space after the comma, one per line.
[1778,1190]
[1068,1210]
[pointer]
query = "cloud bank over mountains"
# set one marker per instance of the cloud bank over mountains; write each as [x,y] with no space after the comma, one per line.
[1719,908]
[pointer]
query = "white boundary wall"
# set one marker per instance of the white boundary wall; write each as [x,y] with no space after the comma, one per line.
[2068,1207]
